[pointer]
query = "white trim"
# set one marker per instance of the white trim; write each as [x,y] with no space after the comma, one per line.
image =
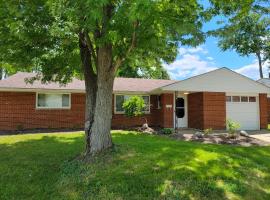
[54,108]
[125,94]
[185,97]
[219,80]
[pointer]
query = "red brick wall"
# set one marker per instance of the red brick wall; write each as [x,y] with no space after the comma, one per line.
[207,110]
[268,109]
[263,111]
[214,110]
[167,113]
[18,110]
[121,121]
[195,110]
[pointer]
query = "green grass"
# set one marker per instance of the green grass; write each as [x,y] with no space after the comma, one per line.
[42,166]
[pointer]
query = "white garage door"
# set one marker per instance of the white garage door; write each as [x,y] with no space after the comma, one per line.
[244,110]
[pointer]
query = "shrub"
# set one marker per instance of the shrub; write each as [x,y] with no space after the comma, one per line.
[167,131]
[134,106]
[232,127]
[208,131]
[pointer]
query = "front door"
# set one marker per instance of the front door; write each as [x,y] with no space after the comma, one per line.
[181,112]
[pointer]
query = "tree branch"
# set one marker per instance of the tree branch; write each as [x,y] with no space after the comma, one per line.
[91,47]
[120,60]
[86,54]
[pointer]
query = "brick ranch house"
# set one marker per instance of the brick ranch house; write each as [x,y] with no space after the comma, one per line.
[203,101]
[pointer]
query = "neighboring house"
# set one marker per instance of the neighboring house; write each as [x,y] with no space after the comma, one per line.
[203,101]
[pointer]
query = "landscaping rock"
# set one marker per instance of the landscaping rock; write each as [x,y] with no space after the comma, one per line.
[199,134]
[244,133]
[145,126]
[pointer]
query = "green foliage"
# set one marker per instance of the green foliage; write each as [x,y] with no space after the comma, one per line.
[232,127]
[148,72]
[134,106]
[247,33]
[167,131]
[208,131]
[43,35]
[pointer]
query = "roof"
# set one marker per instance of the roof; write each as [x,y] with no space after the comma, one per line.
[17,82]
[219,80]
[265,81]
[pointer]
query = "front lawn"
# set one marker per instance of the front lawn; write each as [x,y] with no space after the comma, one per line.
[42,166]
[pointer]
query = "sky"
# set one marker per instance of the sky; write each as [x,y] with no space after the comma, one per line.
[192,61]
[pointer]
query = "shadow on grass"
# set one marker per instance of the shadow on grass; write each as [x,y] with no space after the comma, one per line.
[30,168]
[139,167]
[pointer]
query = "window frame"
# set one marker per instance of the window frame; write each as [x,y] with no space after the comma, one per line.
[252,97]
[53,108]
[236,96]
[141,95]
[248,99]
[230,100]
[241,99]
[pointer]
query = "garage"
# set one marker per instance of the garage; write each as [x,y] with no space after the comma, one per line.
[243,109]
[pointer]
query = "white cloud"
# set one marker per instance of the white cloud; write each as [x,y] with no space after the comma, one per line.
[189,65]
[252,70]
[199,49]
[195,61]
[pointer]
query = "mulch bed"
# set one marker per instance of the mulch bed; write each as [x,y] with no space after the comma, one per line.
[220,139]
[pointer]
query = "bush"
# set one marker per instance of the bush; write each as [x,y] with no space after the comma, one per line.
[167,131]
[232,128]
[134,106]
[208,131]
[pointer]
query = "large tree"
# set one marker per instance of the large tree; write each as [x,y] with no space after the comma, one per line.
[143,67]
[94,39]
[248,34]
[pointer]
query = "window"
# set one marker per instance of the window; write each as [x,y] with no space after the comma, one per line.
[228,98]
[240,99]
[180,107]
[236,98]
[120,99]
[244,99]
[252,99]
[53,100]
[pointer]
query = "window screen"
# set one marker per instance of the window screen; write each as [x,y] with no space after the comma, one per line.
[180,107]
[53,100]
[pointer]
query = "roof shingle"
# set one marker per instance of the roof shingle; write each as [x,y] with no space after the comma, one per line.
[17,81]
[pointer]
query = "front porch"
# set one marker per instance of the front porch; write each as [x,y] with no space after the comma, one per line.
[200,110]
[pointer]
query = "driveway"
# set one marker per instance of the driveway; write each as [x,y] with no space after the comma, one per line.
[261,135]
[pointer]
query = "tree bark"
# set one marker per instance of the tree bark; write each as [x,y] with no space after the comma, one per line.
[260,64]
[99,87]
[1,73]
[90,88]
[100,138]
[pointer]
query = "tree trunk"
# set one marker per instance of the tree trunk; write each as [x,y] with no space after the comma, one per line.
[100,138]
[260,64]
[90,88]
[1,73]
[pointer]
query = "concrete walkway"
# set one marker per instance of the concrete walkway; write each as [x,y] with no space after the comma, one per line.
[265,137]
